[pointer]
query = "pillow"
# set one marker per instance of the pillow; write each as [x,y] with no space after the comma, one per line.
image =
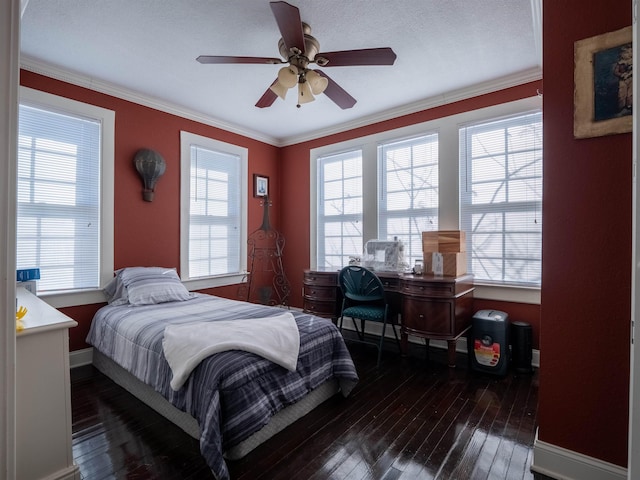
[151,285]
[115,291]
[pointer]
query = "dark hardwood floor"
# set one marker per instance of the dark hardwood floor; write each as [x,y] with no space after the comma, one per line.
[408,419]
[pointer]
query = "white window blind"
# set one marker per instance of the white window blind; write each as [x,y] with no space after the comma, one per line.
[59,192]
[408,191]
[215,219]
[501,199]
[339,231]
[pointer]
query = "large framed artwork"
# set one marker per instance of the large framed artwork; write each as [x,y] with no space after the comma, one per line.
[603,73]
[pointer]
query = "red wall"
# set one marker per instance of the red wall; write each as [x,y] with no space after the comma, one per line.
[586,274]
[148,233]
[295,174]
[585,313]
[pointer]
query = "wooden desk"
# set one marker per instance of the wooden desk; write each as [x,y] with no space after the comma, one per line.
[430,307]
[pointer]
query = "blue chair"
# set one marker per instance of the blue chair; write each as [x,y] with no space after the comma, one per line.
[363,298]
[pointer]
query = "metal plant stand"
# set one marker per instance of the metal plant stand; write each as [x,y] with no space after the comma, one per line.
[267,283]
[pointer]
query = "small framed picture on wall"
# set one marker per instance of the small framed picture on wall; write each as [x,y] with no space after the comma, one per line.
[260,185]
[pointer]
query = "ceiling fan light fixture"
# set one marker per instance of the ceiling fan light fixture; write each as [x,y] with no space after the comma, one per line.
[288,76]
[317,82]
[279,89]
[304,93]
[298,49]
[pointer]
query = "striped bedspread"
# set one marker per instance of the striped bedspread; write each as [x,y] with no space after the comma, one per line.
[231,394]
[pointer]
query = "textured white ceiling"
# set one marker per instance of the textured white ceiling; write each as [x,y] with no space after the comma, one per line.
[145,50]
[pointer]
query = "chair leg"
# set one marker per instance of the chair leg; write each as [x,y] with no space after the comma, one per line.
[395,334]
[359,331]
[355,326]
[384,328]
[341,315]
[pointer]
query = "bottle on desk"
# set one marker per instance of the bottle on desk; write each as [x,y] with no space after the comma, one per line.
[418,267]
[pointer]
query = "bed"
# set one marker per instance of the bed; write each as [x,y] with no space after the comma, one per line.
[231,400]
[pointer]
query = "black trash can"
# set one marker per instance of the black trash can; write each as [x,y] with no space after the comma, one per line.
[488,343]
[521,347]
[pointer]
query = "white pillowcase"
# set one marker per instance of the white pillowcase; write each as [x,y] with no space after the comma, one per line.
[116,292]
[146,286]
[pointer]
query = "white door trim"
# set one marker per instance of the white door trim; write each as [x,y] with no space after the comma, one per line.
[633,463]
[9,69]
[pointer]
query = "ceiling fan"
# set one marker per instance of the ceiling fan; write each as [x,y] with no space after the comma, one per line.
[300,49]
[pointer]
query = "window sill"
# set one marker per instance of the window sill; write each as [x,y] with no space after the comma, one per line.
[217,281]
[72,299]
[89,297]
[507,293]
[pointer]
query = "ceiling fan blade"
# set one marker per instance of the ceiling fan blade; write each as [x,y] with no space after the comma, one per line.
[367,56]
[267,98]
[290,25]
[224,59]
[336,93]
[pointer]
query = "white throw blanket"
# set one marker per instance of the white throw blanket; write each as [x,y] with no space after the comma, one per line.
[274,338]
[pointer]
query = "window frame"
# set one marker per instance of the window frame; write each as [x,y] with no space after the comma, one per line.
[343,218]
[390,215]
[448,180]
[106,118]
[505,207]
[187,139]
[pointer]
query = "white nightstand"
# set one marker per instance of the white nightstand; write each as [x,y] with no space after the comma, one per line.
[43,395]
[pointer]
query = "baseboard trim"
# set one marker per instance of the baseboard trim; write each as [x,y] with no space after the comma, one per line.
[461,344]
[78,358]
[563,464]
[69,473]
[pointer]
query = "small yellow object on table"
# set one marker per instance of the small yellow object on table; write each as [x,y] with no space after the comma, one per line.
[22,311]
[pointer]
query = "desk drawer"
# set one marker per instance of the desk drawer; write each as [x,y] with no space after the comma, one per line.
[433,318]
[391,283]
[320,278]
[322,309]
[428,289]
[320,292]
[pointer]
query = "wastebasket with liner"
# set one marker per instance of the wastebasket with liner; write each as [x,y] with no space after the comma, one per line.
[488,342]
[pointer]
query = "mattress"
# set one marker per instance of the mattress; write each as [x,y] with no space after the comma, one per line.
[186,422]
[231,396]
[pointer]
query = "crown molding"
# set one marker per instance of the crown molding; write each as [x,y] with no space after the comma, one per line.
[97,85]
[113,90]
[484,88]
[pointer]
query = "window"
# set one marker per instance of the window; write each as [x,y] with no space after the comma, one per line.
[65,192]
[213,210]
[404,205]
[339,208]
[408,192]
[501,199]
[411,181]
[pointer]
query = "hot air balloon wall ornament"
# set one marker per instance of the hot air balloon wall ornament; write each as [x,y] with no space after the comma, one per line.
[151,166]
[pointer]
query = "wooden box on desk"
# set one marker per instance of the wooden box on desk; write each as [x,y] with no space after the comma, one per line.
[444,241]
[453,264]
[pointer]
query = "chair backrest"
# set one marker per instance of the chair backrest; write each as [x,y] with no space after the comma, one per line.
[360,284]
